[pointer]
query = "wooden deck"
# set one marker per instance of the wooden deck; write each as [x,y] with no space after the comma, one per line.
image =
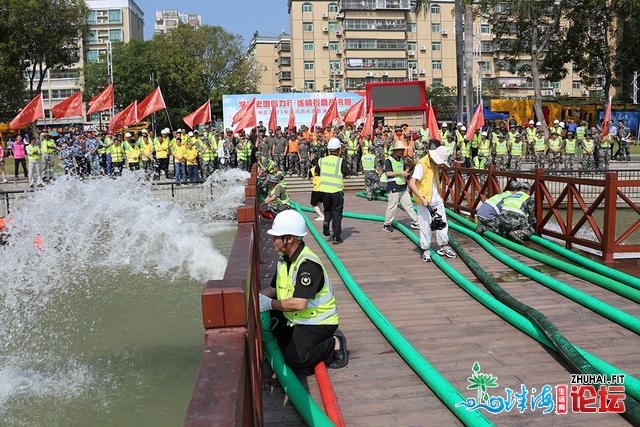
[448,327]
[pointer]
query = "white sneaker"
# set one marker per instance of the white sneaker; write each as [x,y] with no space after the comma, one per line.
[319,218]
[426,257]
[446,251]
[415,226]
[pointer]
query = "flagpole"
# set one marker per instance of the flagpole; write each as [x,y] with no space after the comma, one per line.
[166,110]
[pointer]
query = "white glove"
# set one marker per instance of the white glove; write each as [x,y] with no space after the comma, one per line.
[265,303]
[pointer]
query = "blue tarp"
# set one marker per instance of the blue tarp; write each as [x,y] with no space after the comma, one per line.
[488,115]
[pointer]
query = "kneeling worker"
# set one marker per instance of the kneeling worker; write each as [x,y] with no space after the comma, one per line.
[517,217]
[491,208]
[304,304]
[277,200]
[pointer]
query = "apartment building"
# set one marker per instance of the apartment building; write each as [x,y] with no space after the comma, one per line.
[109,21]
[167,19]
[271,57]
[342,45]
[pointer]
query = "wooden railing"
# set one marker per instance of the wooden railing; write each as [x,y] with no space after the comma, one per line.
[227,388]
[562,210]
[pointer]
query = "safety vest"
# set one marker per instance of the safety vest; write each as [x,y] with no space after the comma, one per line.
[352,146]
[516,148]
[178,153]
[580,132]
[424,134]
[554,145]
[322,309]
[283,186]
[48,146]
[570,146]
[331,179]
[588,146]
[162,148]
[485,148]
[397,166]
[606,141]
[515,201]
[368,162]
[425,185]
[207,153]
[475,142]
[479,162]
[532,133]
[191,156]
[315,180]
[539,145]
[293,146]
[33,153]
[496,199]
[451,145]
[511,137]
[444,134]
[133,154]
[501,147]
[465,148]
[244,150]
[103,146]
[117,153]
[366,143]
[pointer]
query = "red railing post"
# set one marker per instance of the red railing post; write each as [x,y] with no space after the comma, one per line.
[457,176]
[539,199]
[609,227]
[491,176]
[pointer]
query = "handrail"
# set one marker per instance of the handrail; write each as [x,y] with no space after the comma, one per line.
[227,388]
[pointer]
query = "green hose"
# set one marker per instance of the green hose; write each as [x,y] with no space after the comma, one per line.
[577,271]
[304,404]
[563,347]
[605,270]
[632,384]
[429,375]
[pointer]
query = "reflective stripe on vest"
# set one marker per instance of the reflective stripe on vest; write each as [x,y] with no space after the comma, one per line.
[331,179]
[514,202]
[516,148]
[496,199]
[539,146]
[368,162]
[554,145]
[588,146]
[397,166]
[570,146]
[501,147]
[484,147]
[320,310]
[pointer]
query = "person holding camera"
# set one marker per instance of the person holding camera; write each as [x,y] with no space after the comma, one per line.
[424,184]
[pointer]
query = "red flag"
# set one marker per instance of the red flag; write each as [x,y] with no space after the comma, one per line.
[476,123]
[368,124]
[273,119]
[331,114]
[292,118]
[354,113]
[606,120]
[70,107]
[432,123]
[248,120]
[238,116]
[201,115]
[152,103]
[314,118]
[102,101]
[33,111]
[126,117]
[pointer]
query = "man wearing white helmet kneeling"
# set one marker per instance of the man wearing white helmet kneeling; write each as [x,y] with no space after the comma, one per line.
[302,300]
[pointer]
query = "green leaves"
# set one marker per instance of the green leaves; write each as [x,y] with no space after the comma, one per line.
[481,382]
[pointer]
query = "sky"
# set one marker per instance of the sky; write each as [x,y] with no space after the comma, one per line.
[243,17]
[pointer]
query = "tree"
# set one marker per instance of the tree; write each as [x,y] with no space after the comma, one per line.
[627,15]
[528,36]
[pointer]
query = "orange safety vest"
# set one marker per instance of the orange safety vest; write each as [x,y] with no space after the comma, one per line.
[293,146]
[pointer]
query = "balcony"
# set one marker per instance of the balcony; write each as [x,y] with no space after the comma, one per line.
[375,5]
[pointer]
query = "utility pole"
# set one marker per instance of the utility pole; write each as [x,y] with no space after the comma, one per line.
[110,70]
[635,87]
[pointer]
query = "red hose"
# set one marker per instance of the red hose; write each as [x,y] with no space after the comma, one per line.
[329,399]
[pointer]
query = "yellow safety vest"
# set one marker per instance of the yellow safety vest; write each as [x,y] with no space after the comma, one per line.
[554,145]
[588,146]
[397,166]
[425,185]
[133,155]
[315,180]
[485,147]
[570,146]
[117,153]
[368,162]
[539,145]
[331,179]
[322,309]
[501,147]
[48,146]
[515,201]
[516,148]
[33,153]
[162,148]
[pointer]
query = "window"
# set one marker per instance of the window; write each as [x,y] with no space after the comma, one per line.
[576,84]
[334,65]
[115,35]
[333,26]
[436,65]
[556,85]
[115,16]
[412,46]
[308,65]
[307,26]
[484,28]
[435,28]
[285,89]
[436,46]
[92,55]
[412,64]
[92,36]
[411,27]
[71,73]
[435,8]
[333,7]
[485,66]
[436,82]
[334,46]
[307,7]
[285,60]
[91,18]
[45,95]
[285,75]
[307,46]
[309,85]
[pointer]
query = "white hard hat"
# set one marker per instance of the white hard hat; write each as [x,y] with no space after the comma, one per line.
[556,121]
[538,124]
[288,223]
[333,144]
[459,124]
[179,130]
[164,131]
[444,125]
[484,133]
[144,131]
[530,122]
[190,134]
[562,125]
[127,135]
[463,128]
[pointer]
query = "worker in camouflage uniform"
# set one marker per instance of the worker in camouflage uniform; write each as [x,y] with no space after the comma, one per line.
[277,199]
[371,177]
[517,215]
[378,147]
[501,152]
[516,151]
[539,149]
[554,151]
[604,152]
[570,146]
[488,213]
[588,145]
[623,142]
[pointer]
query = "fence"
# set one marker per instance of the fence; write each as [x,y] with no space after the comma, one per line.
[578,210]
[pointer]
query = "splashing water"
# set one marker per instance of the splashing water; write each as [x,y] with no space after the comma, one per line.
[116,258]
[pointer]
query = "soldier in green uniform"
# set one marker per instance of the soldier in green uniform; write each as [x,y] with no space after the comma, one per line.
[517,216]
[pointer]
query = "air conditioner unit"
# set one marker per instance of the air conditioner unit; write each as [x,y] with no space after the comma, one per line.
[339,52]
[566,94]
[339,73]
[423,71]
[325,30]
[549,93]
[445,33]
[325,16]
[558,91]
[384,73]
[325,45]
[339,15]
[413,71]
[411,53]
[423,48]
[339,33]
[369,74]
